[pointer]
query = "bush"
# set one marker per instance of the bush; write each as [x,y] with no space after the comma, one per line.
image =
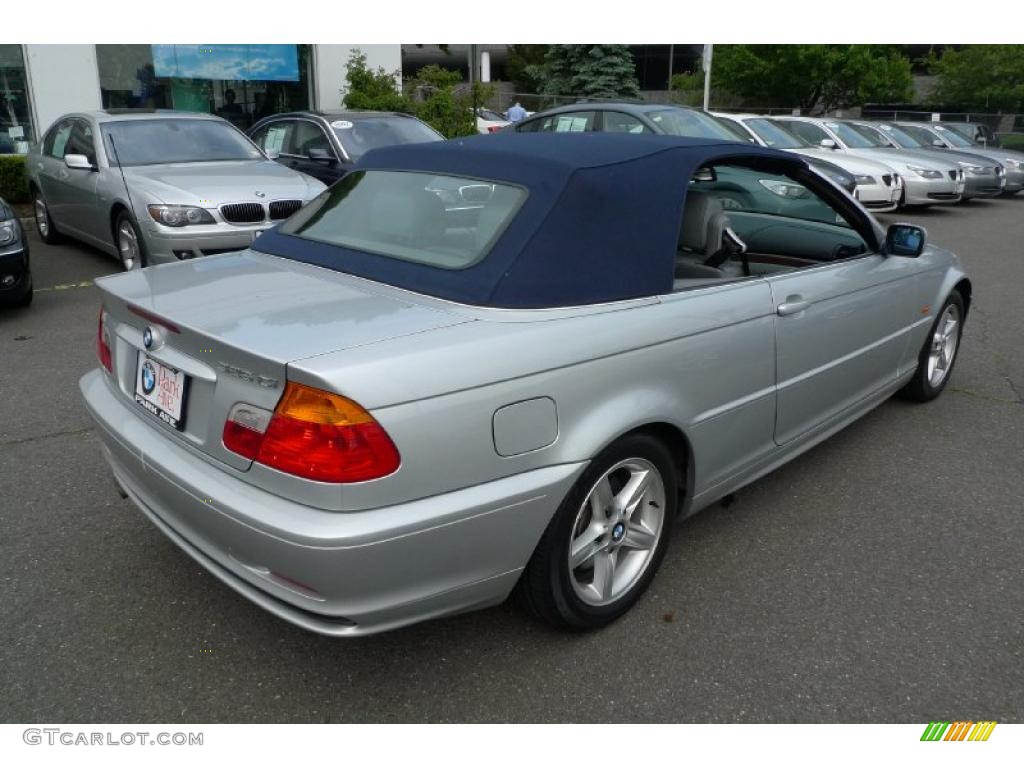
[373,90]
[438,105]
[1012,141]
[13,181]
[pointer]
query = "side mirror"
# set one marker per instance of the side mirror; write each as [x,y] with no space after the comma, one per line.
[321,155]
[272,155]
[905,240]
[939,143]
[78,163]
[829,144]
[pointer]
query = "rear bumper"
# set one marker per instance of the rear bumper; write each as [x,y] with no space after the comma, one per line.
[336,573]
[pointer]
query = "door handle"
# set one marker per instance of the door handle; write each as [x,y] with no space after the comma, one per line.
[792,305]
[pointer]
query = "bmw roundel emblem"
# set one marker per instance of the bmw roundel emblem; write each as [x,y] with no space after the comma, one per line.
[148,377]
[147,338]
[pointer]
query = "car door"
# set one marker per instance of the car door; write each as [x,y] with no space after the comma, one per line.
[309,151]
[81,208]
[621,122]
[584,121]
[844,311]
[51,169]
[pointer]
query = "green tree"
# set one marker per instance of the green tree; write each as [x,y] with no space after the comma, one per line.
[812,76]
[439,104]
[982,77]
[592,71]
[525,65]
[369,89]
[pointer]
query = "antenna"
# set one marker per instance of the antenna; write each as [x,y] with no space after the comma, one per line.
[117,159]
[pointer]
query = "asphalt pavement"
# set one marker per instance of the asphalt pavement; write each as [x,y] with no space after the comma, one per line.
[877,578]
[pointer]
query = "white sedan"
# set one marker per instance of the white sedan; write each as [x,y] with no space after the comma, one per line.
[489,121]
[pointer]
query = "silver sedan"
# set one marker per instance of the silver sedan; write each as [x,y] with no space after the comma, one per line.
[927,180]
[152,187]
[388,410]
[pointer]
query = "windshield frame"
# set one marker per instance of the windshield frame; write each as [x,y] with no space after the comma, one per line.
[354,156]
[113,153]
[798,141]
[899,134]
[943,131]
[704,120]
[846,131]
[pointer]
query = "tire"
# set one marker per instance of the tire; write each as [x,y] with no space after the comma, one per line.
[938,354]
[44,222]
[627,546]
[131,249]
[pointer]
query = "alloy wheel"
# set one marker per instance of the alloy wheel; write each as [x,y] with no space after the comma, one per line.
[42,218]
[943,345]
[128,246]
[616,531]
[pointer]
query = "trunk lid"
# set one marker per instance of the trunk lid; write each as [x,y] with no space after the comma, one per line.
[232,324]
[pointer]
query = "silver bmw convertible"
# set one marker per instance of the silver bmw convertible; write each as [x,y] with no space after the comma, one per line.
[506,364]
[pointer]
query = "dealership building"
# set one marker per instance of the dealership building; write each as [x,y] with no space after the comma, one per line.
[242,83]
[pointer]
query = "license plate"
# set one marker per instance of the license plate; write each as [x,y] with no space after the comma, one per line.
[161,390]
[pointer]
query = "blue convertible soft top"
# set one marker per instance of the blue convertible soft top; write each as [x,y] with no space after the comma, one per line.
[600,223]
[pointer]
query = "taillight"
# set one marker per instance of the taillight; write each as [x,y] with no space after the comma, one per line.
[313,434]
[103,345]
[244,429]
[494,128]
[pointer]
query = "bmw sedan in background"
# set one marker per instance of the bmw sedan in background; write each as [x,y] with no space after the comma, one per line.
[325,145]
[927,180]
[15,271]
[153,186]
[983,177]
[940,136]
[408,413]
[876,185]
[627,117]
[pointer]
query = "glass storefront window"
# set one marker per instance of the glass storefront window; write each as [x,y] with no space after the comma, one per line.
[241,83]
[15,114]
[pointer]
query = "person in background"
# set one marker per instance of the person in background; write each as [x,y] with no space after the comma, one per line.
[229,106]
[515,113]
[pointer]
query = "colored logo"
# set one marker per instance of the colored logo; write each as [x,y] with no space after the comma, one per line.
[959,730]
[148,377]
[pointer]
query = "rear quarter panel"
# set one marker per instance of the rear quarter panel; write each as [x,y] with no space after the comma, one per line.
[702,361]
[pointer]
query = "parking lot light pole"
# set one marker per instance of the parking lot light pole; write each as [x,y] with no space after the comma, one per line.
[707,75]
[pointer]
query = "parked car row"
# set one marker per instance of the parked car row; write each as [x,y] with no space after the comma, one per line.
[158,186]
[885,166]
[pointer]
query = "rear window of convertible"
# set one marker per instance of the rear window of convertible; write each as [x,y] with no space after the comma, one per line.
[449,222]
